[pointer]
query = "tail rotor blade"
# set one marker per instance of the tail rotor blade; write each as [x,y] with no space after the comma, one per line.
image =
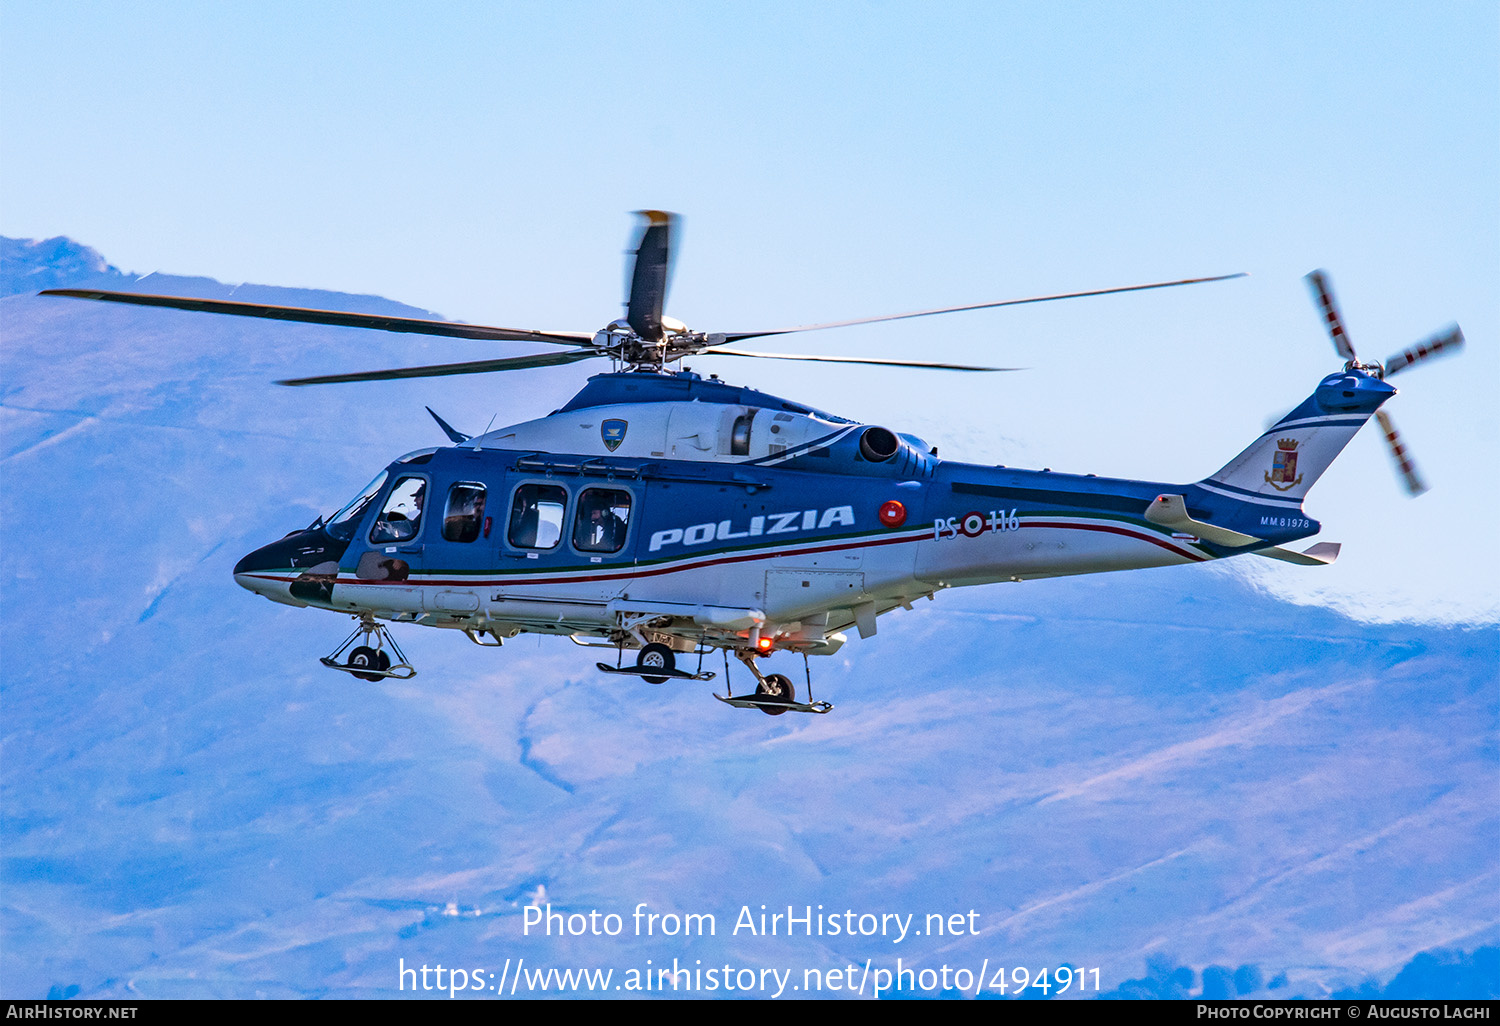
[1450,340]
[1323,296]
[648,281]
[1404,464]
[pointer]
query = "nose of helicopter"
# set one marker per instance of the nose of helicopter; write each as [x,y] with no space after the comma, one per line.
[249,564]
[301,558]
[257,572]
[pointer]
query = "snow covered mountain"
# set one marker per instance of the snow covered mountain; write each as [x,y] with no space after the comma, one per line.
[1135,773]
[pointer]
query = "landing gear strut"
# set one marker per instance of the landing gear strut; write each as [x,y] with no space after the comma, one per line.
[774,693]
[371,659]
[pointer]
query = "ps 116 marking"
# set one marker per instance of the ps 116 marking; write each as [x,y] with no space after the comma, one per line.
[972,525]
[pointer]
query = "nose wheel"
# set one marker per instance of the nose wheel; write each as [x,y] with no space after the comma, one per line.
[371,658]
[368,659]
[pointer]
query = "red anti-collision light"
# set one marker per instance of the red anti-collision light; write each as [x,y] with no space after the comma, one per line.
[893,514]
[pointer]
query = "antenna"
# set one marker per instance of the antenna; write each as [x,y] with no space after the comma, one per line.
[486,430]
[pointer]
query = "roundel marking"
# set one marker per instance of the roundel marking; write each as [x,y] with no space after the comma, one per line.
[892,514]
[972,525]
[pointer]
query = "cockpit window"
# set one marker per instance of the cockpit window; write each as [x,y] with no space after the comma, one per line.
[345,522]
[536,516]
[401,517]
[602,521]
[465,512]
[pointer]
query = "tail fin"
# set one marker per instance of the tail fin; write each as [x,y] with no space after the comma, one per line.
[1281,465]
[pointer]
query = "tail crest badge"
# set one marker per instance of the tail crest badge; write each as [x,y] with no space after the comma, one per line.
[1283,473]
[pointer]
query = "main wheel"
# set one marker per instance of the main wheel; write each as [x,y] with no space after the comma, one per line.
[365,657]
[779,687]
[656,657]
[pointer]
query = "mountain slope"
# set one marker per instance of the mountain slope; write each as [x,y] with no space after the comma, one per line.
[1165,764]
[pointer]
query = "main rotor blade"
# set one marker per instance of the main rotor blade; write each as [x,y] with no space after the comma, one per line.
[1404,464]
[338,318]
[648,282]
[439,370]
[1323,296]
[719,351]
[735,336]
[1450,339]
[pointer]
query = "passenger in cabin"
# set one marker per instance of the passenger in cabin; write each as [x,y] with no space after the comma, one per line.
[602,521]
[607,531]
[465,513]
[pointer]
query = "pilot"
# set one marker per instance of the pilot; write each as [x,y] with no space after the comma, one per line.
[400,523]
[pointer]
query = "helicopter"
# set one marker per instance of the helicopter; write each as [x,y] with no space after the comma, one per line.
[669,515]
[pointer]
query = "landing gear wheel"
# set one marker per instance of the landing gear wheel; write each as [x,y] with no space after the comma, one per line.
[367,657]
[777,686]
[656,657]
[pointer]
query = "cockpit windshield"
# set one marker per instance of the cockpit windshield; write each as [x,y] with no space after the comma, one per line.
[343,524]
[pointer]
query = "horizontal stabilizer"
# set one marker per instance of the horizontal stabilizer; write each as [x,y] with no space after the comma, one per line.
[1171,511]
[1321,554]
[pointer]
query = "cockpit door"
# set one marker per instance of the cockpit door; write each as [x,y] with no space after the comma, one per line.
[396,542]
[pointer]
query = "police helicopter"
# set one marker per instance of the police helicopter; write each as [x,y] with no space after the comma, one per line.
[668,515]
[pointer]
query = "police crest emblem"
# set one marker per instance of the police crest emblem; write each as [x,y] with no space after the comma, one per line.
[1283,473]
[613,433]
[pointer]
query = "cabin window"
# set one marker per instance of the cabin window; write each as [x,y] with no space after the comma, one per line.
[401,517]
[603,520]
[465,512]
[536,516]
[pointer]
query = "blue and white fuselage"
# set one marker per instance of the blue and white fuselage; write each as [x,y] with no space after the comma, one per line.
[670,510]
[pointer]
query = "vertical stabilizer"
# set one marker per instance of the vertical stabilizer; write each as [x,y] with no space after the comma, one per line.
[1280,466]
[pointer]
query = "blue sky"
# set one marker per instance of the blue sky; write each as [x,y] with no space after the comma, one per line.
[843,160]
